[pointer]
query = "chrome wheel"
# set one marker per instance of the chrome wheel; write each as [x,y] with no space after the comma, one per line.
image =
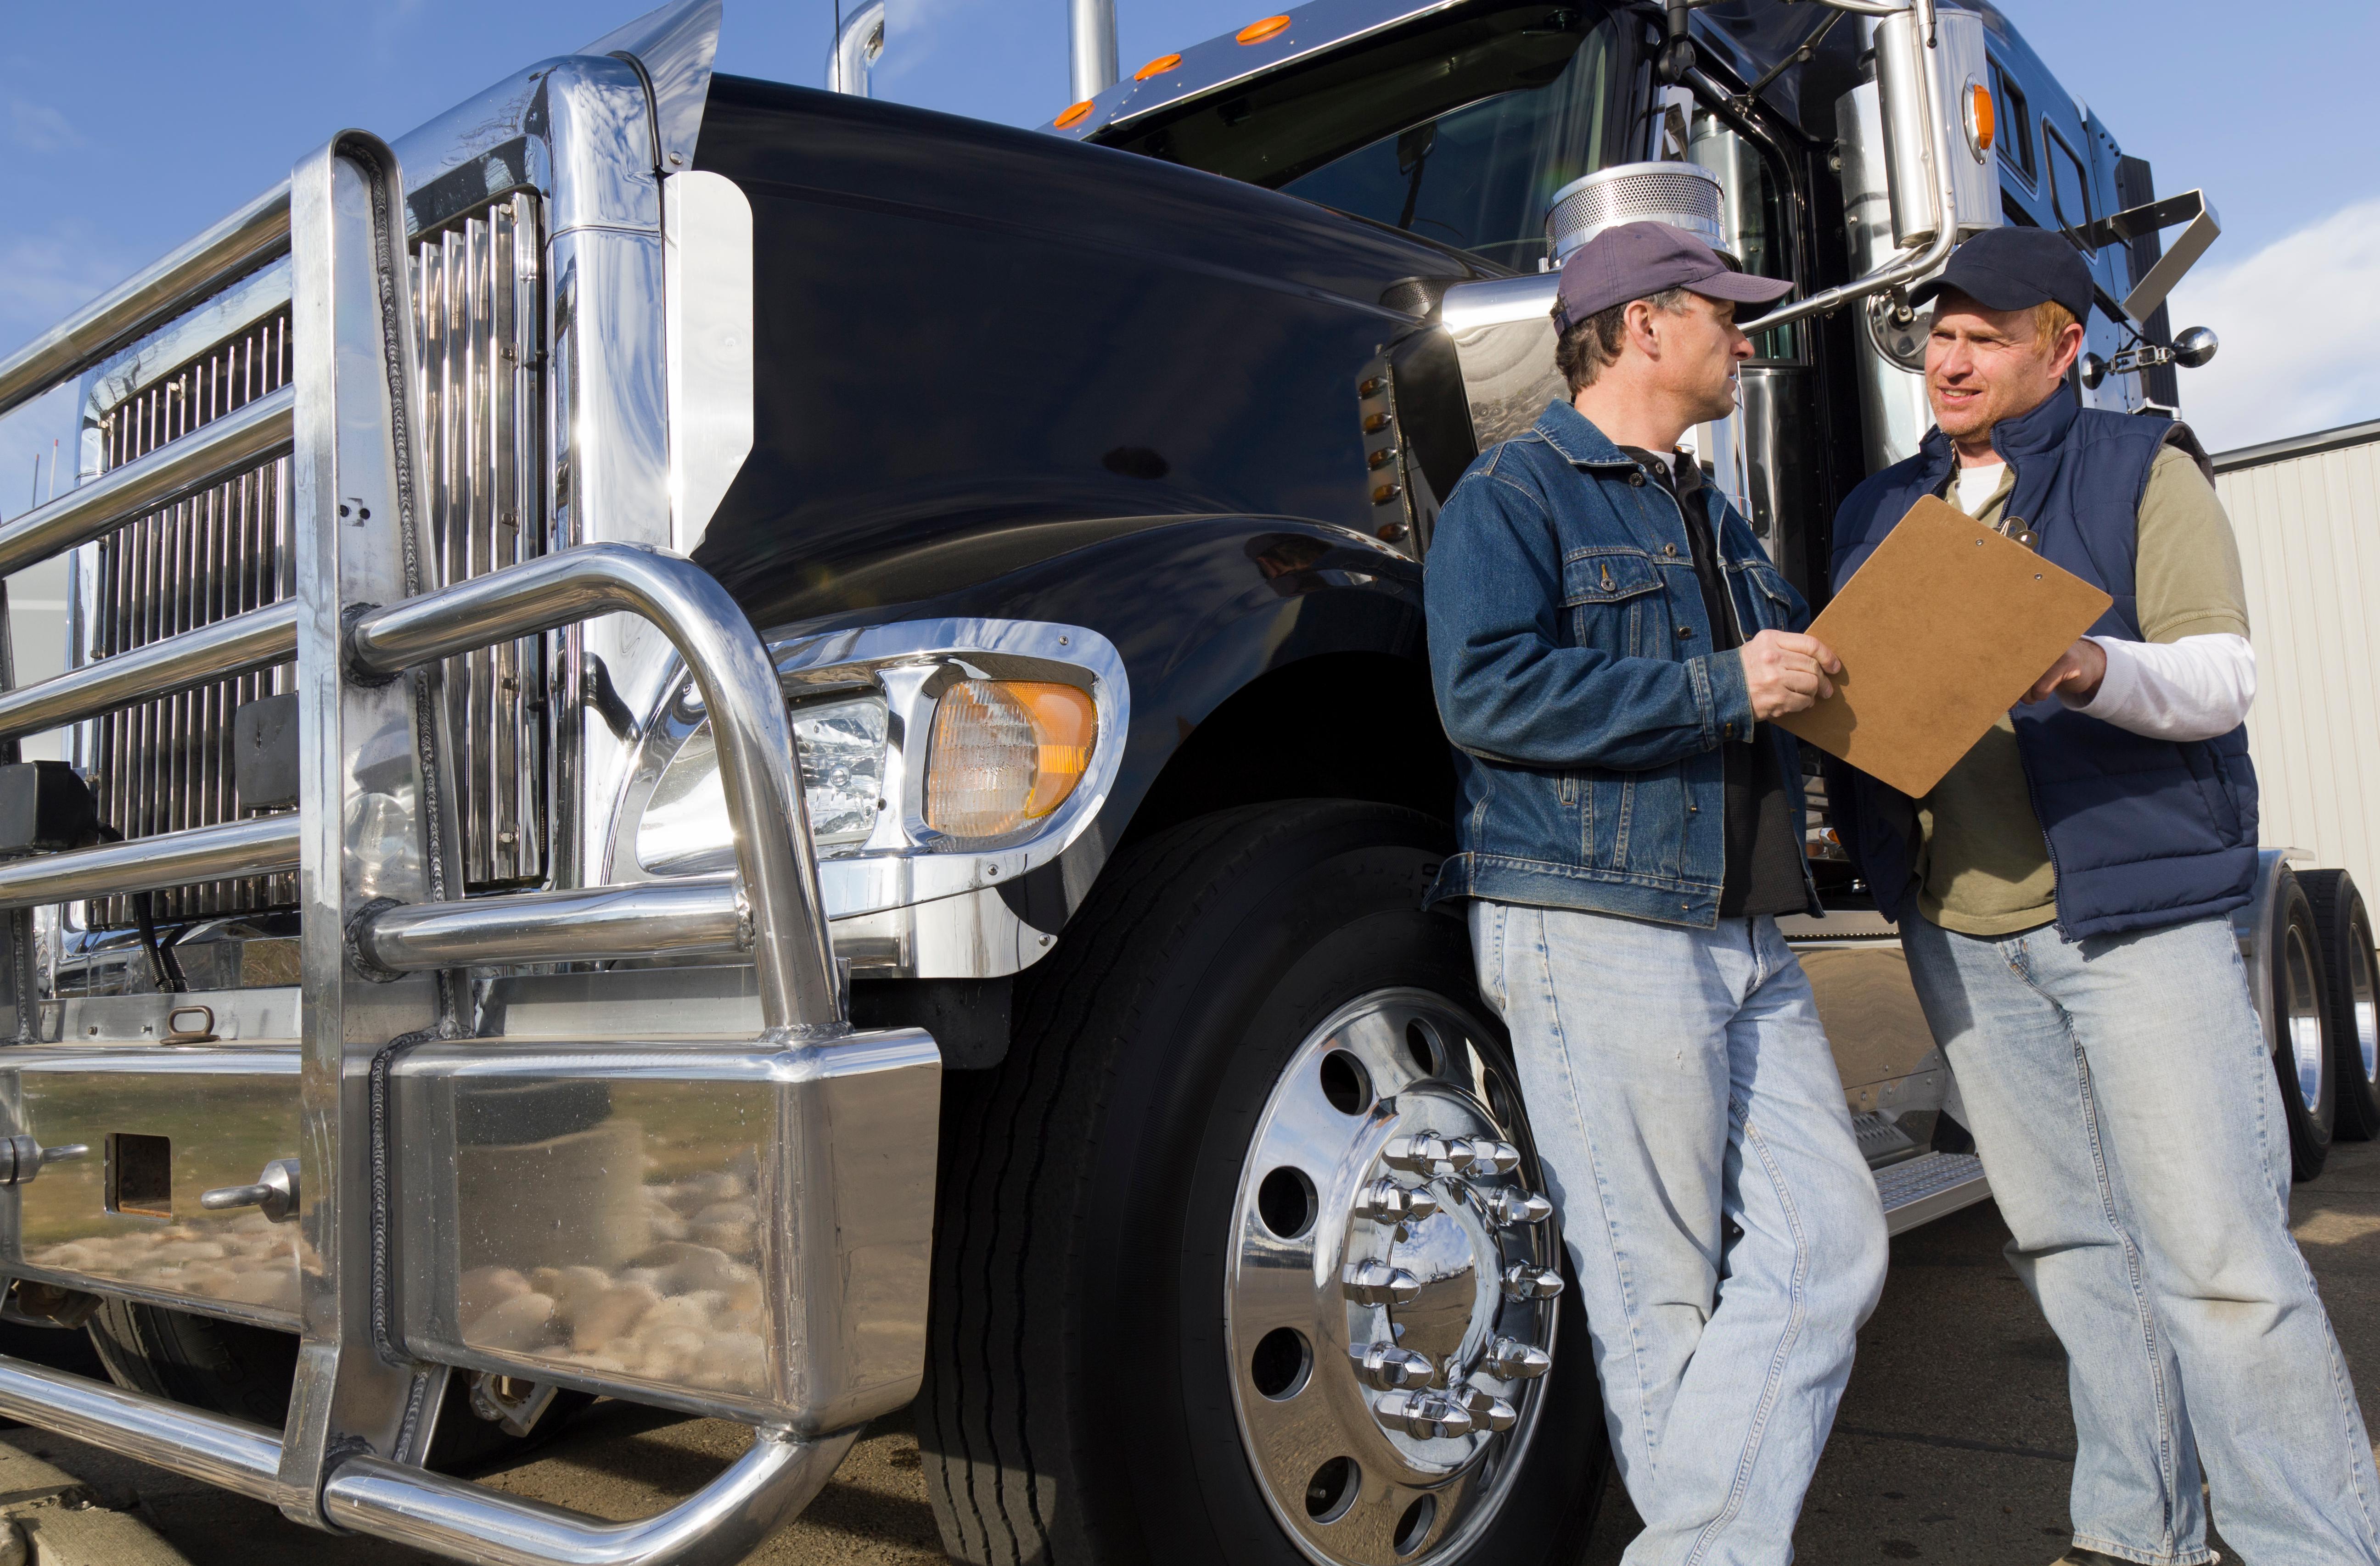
[2302,1020]
[1389,1307]
[2364,1007]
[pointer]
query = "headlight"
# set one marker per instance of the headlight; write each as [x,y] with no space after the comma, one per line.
[685,831]
[1005,753]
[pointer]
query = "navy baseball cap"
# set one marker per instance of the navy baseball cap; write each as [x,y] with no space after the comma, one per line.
[1636,260]
[2015,268]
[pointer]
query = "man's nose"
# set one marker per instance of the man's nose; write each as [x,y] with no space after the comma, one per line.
[1741,346]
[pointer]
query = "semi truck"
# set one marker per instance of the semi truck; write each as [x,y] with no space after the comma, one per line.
[769,754]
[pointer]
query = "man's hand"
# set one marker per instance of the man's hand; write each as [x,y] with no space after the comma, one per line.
[2076,674]
[1786,671]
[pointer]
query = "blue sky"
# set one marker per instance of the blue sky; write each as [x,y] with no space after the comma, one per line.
[125,127]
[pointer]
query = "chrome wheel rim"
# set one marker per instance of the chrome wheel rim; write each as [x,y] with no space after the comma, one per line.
[1390,1301]
[2362,999]
[2302,1020]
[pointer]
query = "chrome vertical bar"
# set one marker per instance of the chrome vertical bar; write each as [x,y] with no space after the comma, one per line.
[359,532]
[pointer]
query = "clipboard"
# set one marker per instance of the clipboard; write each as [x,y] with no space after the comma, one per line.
[1940,631]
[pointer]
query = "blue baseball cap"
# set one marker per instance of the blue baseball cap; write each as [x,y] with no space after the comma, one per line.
[1636,260]
[2015,268]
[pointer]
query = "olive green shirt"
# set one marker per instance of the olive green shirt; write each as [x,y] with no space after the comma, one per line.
[1982,865]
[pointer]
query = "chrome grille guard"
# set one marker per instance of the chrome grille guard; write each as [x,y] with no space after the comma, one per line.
[376,849]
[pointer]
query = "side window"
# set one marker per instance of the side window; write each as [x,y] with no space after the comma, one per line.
[2016,119]
[2070,189]
[1481,178]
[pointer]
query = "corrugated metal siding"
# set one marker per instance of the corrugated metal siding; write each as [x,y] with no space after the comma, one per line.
[2309,530]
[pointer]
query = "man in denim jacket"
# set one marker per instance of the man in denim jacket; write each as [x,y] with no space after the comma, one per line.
[1609,645]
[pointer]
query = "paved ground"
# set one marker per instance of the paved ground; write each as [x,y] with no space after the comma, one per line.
[1953,1445]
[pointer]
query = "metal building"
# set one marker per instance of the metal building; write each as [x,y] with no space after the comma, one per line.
[2307,511]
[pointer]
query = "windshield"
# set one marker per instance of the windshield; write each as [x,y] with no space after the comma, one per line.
[1459,130]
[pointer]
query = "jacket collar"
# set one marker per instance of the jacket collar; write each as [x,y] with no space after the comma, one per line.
[2028,434]
[1570,434]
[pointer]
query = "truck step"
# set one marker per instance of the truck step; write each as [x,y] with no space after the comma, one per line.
[1932,1186]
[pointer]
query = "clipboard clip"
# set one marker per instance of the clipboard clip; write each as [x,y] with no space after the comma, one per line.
[2014,527]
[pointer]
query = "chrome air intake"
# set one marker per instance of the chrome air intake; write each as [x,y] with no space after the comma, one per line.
[1683,195]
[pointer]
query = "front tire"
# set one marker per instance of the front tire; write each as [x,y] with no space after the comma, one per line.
[1088,1377]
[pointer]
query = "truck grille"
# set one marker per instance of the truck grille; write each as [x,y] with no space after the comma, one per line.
[166,765]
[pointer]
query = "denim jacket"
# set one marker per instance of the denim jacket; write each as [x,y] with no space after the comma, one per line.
[1573,660]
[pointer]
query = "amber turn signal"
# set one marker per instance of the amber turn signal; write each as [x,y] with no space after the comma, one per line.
[1156,67]
[1981,118]
[1074,116]
[1257,32]
[1005,753]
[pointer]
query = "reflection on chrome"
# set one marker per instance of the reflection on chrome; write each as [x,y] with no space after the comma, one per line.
[687,1310]
[249,1261]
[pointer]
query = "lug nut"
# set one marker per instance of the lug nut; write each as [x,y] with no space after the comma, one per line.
[1388,1202]
[1424,1154]
[1424,1415]
[1516,1361]
[1486,1408]
[1489,1160]
[1522,1281]
[1510,1208]
[1390,1368]
[1378,1284]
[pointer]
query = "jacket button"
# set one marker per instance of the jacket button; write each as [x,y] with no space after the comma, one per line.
[1685,630]
[1637,480]
[1670,548]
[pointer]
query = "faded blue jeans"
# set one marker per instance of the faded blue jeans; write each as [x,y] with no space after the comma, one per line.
[2122,1097]
[1722,1226]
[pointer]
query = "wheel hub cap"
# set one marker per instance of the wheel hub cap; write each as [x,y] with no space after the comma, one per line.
[1390,1308]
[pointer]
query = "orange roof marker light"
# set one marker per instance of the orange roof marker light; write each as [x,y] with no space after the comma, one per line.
[1156,67]
[1075,116]
[1980,119]
[1257,32]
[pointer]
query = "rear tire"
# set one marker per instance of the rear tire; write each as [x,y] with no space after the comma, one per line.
[2302,1053]
[2345,928]
[1080,1389]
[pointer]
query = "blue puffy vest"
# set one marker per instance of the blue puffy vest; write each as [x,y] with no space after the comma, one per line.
[2141,832]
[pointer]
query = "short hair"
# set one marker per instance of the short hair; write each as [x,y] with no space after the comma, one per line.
[1589,345]
[2049,319]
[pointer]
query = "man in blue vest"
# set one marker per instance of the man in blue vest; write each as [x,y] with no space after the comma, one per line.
[2061,895]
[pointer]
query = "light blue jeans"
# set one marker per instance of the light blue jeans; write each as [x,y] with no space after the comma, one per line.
[2122,1099]
[1721,1223]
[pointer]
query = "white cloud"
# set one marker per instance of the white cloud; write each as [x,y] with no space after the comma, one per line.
[2298,320]
[40,129]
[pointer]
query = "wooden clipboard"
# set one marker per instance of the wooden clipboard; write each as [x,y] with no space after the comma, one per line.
[1940,631]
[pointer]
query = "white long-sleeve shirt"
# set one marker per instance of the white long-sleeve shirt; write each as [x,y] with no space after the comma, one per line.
[2194,688]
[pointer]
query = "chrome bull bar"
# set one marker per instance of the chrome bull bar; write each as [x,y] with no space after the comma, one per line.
[386,930]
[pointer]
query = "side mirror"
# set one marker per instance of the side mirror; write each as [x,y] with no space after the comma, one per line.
[2094,369]
[2194,347]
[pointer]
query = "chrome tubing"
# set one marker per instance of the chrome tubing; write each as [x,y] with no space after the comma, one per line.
[757,763]
[644,920]
[1908,266]
[246,239]
[216,450]
[232,1453]
[721,1523]
[254,847]
[256,639]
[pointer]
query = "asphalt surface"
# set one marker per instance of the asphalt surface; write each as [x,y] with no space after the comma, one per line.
[1953,1444]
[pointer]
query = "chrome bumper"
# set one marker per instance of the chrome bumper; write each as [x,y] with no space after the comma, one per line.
[730,1222]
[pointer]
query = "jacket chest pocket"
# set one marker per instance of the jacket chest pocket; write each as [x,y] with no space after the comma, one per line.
[1606,594]
[1772,596]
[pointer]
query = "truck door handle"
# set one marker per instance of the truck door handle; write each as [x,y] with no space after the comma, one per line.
[274,1193]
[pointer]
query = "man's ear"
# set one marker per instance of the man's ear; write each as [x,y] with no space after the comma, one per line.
[1640,327]
[2069,344]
